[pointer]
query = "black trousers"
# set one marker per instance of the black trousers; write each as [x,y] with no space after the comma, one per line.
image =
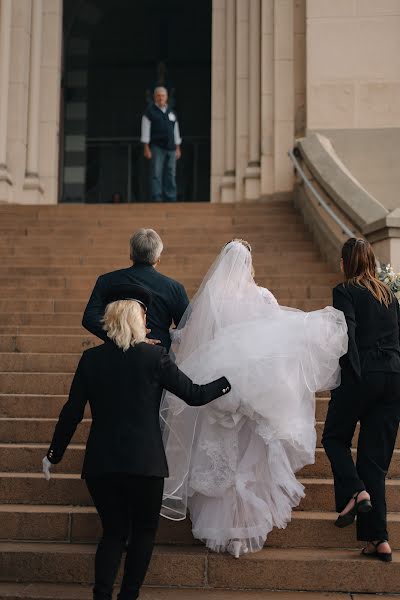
[375,404]
[129,508]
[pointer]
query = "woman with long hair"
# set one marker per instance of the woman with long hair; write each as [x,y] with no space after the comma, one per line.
[369,394]
[125,464]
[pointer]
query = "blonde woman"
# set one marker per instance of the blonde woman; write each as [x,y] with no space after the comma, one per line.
[125,463]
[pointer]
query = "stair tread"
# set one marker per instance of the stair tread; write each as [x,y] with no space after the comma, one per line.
[285,554]
[52,591]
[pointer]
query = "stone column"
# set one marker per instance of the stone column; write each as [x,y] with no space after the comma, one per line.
[32,184]
[217,98]
[283,94]
[228,181]
[49,135]
[267,98]
[5,47]
[252,181]
[242,96]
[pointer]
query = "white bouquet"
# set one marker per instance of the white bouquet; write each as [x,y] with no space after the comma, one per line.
[390,277]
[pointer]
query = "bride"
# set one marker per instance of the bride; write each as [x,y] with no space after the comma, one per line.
[232,463]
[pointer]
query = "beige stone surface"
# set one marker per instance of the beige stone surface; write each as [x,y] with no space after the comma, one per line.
[330,8]
[14,591]
[372,156]
[353,63]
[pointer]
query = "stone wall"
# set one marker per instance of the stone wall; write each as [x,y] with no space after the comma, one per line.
[353,64]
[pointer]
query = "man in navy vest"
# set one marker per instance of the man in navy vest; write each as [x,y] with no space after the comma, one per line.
[162,141]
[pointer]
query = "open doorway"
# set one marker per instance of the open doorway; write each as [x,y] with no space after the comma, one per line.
[115,53]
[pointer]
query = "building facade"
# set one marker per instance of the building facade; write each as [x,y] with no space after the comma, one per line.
[249,76]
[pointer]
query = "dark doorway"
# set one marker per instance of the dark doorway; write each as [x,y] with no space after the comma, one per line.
[115,53]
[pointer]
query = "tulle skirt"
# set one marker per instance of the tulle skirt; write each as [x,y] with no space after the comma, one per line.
[233,462]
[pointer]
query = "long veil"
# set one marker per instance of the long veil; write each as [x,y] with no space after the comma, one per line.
[275,359]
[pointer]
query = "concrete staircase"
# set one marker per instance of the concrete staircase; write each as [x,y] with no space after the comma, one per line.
[50,258]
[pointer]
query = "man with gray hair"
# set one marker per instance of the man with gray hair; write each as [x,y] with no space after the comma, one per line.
[169,298]
[162,146]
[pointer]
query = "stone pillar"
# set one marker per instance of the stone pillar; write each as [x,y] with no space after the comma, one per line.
[267,98]
[50,77]
[217,98]
[228,181]
[5,46]
[242,96]
[253,172]
[33,190]
[283,94]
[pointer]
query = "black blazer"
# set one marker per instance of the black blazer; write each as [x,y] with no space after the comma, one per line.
[168,305]
[373,331]
[124,391]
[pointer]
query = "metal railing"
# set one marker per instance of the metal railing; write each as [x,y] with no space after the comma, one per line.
[116,164]
[321,201]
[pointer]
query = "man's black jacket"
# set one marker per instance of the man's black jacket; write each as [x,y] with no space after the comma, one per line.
[124,391]
[169,301]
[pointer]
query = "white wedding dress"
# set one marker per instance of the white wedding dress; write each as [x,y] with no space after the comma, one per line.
[232,462]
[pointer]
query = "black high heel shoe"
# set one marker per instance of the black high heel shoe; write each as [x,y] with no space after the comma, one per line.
[383,556]
[363,506]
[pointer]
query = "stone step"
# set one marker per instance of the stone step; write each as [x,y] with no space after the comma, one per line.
[41,330]
[25,457]
[80,524]
[47,343]
[49,406]
[201,235]
[38,362]
[30,383]
[213,224]
[53,591]
[279,290]
[275,569]
[87,283]
[119,261]
[178,271]
[25,248]
[31,405]
[49,306]
[28,488]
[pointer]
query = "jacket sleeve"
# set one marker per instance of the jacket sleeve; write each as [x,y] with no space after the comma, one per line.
[175,381]
[343,301]
[180,304]
[94,311]
[71,415]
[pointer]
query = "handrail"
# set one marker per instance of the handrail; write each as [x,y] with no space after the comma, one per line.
[318,196]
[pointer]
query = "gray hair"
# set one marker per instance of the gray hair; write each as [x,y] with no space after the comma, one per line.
[146,246]
[159,88]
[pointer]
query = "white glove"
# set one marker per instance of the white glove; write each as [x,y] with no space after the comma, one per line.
[46,468]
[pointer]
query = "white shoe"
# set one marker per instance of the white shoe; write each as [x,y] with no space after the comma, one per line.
[236,548]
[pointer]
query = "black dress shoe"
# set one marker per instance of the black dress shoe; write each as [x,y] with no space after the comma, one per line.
[363,506]
[383,556]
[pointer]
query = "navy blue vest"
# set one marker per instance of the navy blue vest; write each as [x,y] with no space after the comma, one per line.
[162,127]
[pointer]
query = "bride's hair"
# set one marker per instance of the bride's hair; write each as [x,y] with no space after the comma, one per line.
[124,324]
[359,267]
[246,244]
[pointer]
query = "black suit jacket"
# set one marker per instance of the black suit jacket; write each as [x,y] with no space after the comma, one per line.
[169,301]
[373,331]
[124,391]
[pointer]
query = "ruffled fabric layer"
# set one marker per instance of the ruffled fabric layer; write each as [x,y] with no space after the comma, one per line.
[232,463]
